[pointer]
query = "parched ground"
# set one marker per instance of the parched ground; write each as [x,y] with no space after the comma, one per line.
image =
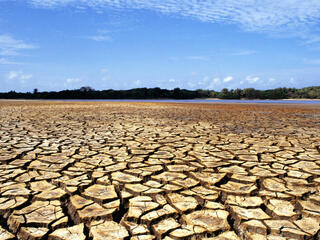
[140,171]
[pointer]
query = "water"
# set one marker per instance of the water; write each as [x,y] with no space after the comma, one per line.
[197,101]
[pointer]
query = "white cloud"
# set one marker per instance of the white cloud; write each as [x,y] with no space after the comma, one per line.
[204,81]
[292,80]
[99,38]
[18,75]
[216,80]
[312,40]
[8,52]
[251,79]
[214,83]
[13,75]
[252,15]
[137,83]
[228,79]
[10,46]
[243,53]
[73,80]
[191,84]
[172,80]
[26,76]
[214,56]
[199,58]
[6,61]
[272,80]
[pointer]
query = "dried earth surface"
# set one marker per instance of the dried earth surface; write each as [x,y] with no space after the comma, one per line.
[143,171]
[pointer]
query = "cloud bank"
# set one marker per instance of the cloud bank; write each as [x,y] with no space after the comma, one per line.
[11,47]
[251,15]
[18,75]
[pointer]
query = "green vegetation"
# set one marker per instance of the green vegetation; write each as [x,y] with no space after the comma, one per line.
[177,93]
[277,93]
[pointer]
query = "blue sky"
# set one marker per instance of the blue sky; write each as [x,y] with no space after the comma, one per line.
[123,44]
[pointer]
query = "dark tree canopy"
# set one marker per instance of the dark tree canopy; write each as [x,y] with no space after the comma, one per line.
[88,92]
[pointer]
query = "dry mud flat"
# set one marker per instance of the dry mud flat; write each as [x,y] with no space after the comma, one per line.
[145,171]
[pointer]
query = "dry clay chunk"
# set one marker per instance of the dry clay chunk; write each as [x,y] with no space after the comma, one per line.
[211,220]
[107,230]
[70,233]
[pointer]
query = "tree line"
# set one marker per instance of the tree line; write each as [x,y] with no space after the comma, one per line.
[158,93]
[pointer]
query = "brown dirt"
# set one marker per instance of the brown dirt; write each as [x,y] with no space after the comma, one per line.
[99,170]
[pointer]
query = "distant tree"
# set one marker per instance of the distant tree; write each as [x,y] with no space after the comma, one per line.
[176,93]
[87,92]
[204,93]
[249,93]
[237,93]
[224,93]
[86,89]
[156,92]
